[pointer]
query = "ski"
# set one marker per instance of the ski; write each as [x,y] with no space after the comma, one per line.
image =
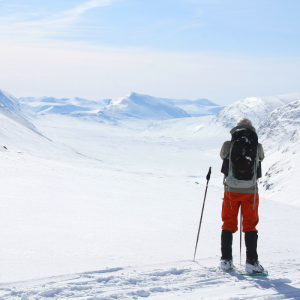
[264,273]
[236,271]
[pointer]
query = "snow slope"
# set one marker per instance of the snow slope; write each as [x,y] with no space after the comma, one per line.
[10,108]
[10,102]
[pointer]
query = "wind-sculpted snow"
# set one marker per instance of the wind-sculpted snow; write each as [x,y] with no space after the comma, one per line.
[189,280]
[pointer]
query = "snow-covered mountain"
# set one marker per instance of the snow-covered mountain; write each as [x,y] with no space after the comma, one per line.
[197,108]
[142,107]
[254,108]
[217,127]
[52,105]
[19,136]
[279,132]
[133,106]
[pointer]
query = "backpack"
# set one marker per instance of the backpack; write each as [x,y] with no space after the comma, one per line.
[243,159]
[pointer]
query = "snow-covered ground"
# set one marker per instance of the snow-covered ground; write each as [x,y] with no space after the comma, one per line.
[95,210]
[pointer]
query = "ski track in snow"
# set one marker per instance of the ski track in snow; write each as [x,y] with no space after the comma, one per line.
[184,280]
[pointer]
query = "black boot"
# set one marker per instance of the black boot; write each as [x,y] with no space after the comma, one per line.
[251,246]
[226,244]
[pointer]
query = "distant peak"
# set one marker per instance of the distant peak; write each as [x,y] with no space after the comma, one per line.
[133,94]
[205,102]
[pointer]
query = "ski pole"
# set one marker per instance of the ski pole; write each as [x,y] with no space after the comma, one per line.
[207,178]
[241,236]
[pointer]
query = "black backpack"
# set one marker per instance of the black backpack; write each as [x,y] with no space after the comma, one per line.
[243,159]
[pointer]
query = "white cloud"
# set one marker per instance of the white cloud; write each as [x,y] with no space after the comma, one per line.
[80,9]
[58,24]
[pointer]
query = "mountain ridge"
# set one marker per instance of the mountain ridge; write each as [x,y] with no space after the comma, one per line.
[112,108]
[254,108]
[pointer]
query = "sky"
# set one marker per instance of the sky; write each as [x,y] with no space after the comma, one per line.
[222,50]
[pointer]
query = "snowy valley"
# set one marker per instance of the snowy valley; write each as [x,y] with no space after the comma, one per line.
[102,199]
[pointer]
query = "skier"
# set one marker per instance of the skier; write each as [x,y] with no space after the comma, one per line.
[234,197]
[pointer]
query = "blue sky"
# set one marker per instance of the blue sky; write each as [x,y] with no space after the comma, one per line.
[221,50]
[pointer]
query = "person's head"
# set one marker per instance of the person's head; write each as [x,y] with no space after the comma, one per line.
[244,121]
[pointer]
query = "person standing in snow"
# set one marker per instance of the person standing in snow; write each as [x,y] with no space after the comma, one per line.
[233,199]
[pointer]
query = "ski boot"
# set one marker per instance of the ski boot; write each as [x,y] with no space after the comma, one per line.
[226,265]
[254,267]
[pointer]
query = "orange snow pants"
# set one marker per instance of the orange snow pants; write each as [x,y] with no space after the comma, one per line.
[230,211]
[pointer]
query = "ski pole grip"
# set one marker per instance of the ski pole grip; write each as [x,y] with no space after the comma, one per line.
[208,174]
